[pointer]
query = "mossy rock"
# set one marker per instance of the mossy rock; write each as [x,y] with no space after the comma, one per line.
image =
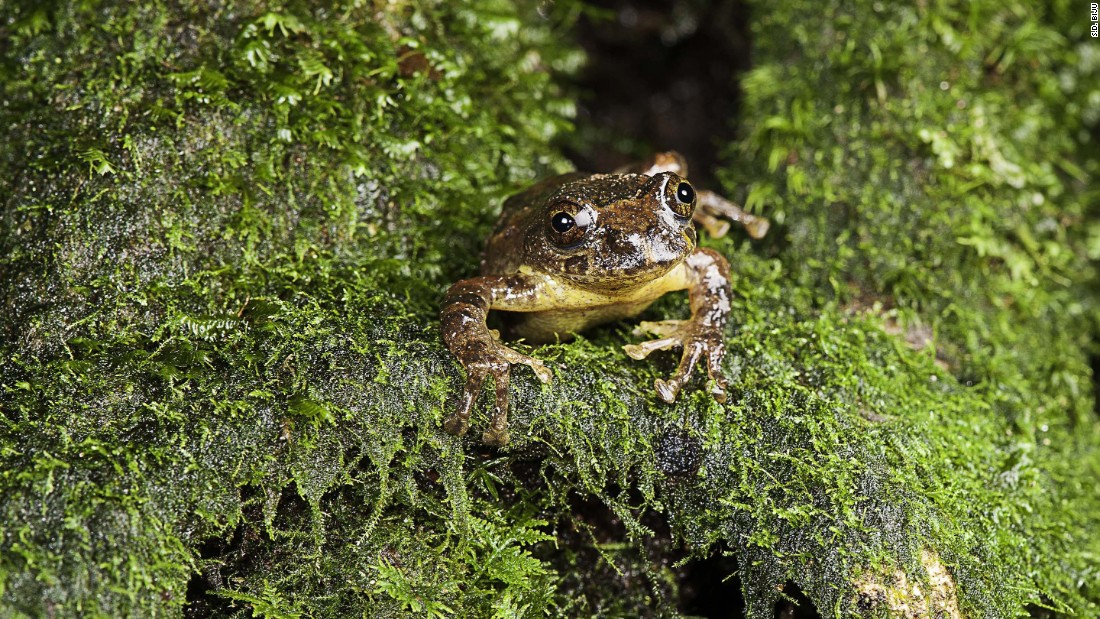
[227,228]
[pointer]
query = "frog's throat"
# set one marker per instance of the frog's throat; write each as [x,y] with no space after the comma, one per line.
[570,291]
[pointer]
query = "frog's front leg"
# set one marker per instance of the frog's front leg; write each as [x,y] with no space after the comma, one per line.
[466,335]
[705,274]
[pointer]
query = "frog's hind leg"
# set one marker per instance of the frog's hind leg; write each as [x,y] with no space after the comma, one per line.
[712,208]
[669,161]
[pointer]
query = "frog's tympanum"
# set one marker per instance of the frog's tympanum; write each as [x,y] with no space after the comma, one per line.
[579,250]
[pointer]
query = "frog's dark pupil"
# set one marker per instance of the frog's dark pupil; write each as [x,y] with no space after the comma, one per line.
[562,222]
[685,194]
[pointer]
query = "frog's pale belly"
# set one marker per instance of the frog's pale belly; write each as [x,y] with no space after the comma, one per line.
[561,325]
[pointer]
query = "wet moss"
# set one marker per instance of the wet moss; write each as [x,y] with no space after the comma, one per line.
[932,166]
[227,228]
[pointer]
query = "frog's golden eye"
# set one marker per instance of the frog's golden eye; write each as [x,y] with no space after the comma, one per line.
[679,196]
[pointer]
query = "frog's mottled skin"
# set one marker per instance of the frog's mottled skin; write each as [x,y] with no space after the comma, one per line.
[632,241]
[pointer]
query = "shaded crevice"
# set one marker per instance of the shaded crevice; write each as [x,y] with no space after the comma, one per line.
[201,600]
[221,556]
[795,604]
[660,76]
[1043,610]
[644,576]
[605,572]
[711,588]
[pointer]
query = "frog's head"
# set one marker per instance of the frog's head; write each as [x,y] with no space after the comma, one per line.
[614,231]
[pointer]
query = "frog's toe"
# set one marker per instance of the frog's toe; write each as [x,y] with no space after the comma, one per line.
[757,227]
[719,385]
[718,392]
[670,333]
[641,351]
[716,228]
[456,424]
[498,437]
[719,229]
[662,329]
[459,421]
[543,373]
[715,353]
[667,389]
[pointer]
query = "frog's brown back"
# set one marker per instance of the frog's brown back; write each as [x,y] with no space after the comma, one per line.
[504,250]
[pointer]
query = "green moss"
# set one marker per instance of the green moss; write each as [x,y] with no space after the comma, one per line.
[931,165]
[225,237]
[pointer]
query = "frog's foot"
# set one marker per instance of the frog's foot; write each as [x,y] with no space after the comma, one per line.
[697,340]
[495,360]
[713,209]
[715,227]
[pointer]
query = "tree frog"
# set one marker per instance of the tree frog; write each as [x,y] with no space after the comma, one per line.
[579,250]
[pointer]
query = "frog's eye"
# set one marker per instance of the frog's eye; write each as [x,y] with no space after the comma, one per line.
[675,194]
[562,222]
[685,193]
[568,227]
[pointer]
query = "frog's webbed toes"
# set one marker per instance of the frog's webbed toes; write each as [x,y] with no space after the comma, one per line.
[497,432]
[670,333]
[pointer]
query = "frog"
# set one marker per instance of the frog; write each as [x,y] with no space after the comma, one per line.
[579,250]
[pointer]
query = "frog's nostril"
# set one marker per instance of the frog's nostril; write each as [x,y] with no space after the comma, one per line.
[618,243]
